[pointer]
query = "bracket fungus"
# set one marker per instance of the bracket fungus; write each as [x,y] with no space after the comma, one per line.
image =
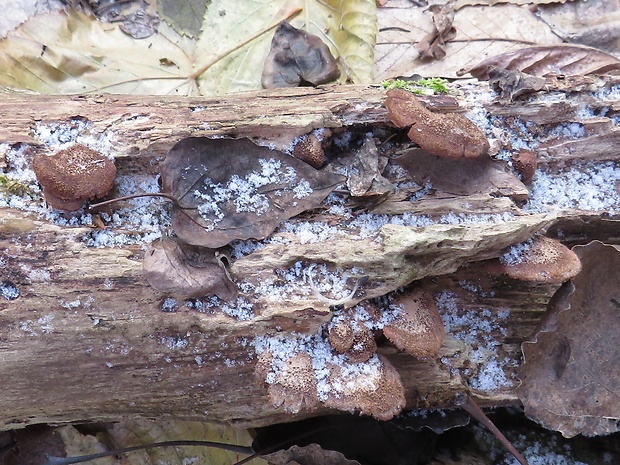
[310,149]
[524,162]
[541,259]
[418,329]
[74,175]
[307,373]
[358,344]
[449,135]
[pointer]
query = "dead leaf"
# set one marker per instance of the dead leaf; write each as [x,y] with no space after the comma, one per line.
[141,431]
[185,16]
[234,189]
[312,454]
[547,60]
[595,23]
[433,45]
[482,175]
[167,268]
[297,57]
[365,176]
[71,52]
[512,84]
[571,377]
[479,34]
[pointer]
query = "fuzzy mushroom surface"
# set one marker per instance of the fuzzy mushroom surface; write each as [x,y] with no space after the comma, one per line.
[540,259]
[449,135]
[74,175]
[418,329]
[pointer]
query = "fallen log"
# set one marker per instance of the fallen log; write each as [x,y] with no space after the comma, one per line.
[84,337]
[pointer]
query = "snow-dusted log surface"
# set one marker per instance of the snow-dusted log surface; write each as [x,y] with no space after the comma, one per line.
[83,337]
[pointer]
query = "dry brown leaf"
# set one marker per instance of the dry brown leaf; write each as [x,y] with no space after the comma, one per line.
[365,176]
[433,45]
[479,35]
[297,57]
[482,175]
[571,377]
[595,23]
[235,189]
[168,269]
[547,60]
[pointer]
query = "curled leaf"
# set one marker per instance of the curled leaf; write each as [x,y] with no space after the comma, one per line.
[167,268]
[234,189]
[571,377]
[546,60]
[296,57]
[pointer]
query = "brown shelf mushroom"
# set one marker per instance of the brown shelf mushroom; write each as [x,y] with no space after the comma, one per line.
[449,135]
[357,344]
[541,259]
[74,175]
[418,330]
[525,163]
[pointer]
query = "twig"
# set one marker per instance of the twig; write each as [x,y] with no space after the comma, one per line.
[53,460]
[467,404]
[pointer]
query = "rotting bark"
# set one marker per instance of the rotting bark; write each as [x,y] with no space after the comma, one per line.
[87,340]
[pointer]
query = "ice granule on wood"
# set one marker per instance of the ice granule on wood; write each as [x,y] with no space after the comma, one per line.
[515,253]
[60,136]
[8,290]
[245,192]
[476,327]
[491,376]
[588,186]
[241,309]
[329,382]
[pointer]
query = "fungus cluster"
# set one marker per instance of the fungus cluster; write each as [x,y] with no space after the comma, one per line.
[74,175]
[340,368]
[449,135]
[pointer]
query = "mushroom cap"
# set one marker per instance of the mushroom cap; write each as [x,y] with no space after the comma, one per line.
[449,135]
[73,175]
[310,150]
[341,337]
[418,330]
[378,392]
[546,260]
[295,384]
[364,346]
[525,163]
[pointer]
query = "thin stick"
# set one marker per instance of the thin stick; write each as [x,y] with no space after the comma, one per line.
[134,196]
[467,404]
[53,460]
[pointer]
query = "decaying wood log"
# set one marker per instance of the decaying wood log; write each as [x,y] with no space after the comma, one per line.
[83,337]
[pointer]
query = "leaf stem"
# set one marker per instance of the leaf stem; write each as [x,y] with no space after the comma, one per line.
[133,196]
